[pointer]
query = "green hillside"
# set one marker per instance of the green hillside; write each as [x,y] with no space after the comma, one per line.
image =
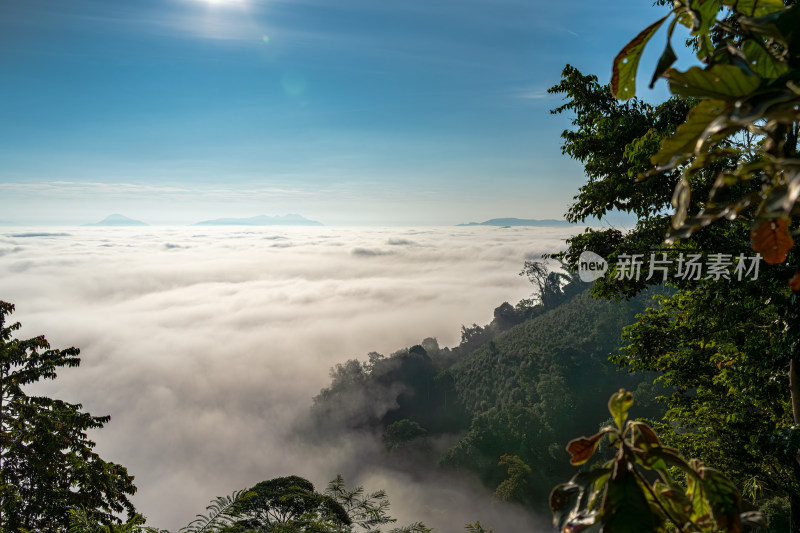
[521,386]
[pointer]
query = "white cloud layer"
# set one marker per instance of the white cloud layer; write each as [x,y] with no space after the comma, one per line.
[206,345]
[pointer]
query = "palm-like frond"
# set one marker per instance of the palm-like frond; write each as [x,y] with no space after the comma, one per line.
[222,513]
[416,527]
[367,511]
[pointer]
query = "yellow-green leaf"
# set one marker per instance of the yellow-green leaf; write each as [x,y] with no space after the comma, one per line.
[701,511]
[686,137]
[755,8]
[618,405]
[722,82]
[762,62]
[704,13]
[723,499]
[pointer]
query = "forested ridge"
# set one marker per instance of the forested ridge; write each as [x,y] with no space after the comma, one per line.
[517,389]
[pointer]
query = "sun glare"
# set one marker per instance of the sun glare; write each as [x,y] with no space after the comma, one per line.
[223,3]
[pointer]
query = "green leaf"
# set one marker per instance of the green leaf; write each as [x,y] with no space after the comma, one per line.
[686,137]
[671,457]
[705,48]
[701,511]
[623,73]
[618,405]
[675,501]
[782,26]
[704,13]
[755,8]
[625,507]
[585,479]
[571,502]
[666,60]
[722,82]
[762,62]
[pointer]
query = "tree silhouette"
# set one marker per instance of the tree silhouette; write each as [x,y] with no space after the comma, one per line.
[47,465]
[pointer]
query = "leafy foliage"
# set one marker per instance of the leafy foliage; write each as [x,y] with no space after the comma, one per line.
[724,348]
[723,351]
[289,504]
[621,496]
[552,287]
[80,522]
[477,528]
[535,386]
[368,511]
[408,385]
[749,84]
[401,432]
[47,465]
[517,486]
[730,167]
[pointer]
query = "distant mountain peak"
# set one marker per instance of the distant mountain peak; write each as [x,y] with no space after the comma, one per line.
[519,222]
[117,220]
[262,220]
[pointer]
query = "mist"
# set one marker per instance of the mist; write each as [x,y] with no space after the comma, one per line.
[206,346]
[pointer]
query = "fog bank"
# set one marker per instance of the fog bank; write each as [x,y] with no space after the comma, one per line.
[206,345]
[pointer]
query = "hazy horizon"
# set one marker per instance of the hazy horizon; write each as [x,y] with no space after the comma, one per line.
[347,112]
[615,219]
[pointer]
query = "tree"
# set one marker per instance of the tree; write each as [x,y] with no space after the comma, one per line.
[47,465]
[290,504]
[705,317]
[402,432]
[80,522]
[550,285]
[748,86]
[222,513]
[368,512]
[727,162]
[517,486]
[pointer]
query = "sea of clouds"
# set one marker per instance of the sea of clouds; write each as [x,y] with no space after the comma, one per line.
[206,345]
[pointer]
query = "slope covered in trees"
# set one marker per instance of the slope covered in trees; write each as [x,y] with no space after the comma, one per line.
[513,392]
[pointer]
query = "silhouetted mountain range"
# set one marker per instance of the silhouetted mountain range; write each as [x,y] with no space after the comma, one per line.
[117,220]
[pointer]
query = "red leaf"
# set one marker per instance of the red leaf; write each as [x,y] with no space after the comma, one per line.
[772,240]
[582,448]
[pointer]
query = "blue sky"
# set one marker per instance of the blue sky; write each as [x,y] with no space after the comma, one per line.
[345,111]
